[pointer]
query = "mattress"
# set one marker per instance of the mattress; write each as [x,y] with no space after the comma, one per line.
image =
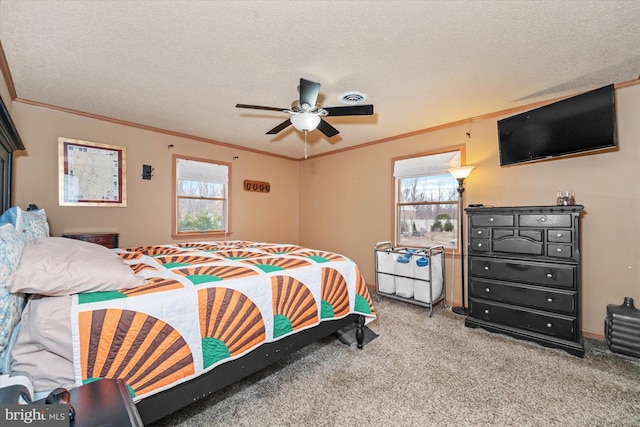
[203,304]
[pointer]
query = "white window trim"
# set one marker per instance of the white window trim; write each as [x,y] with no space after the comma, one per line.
[411,166]
[193,171]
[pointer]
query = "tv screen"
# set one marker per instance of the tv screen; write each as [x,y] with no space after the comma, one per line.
[583,123]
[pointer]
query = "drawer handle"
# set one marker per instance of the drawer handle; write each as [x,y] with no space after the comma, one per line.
[558,249]
[543,219]
[487,290]
[491,219]
[549,299]
[479,245]
[479,231]
[486,311]
[549,275]
[549,325]
[559,235]
[486,268]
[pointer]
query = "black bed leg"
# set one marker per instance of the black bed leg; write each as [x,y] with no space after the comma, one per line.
[360,331]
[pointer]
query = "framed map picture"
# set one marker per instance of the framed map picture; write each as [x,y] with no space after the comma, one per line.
[91,174]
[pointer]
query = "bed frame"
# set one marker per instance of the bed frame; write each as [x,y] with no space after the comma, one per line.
[171,400]
[166,402]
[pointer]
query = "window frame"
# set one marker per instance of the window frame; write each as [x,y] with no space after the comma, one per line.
[175,201]
[397,205]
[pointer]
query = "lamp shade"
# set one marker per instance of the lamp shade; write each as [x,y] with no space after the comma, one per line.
[460,172]
[305,122]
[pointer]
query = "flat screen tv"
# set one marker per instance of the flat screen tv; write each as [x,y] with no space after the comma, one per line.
[576,125]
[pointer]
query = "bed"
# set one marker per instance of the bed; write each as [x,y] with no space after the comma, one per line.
[177,322]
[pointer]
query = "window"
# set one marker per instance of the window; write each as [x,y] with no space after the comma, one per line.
[201,204]
[426,202]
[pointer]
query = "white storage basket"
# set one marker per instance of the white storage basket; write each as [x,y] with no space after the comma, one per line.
[404,266]
[386,262]
[421,292]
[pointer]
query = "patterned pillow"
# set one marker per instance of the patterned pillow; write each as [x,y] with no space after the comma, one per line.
[32,224]
[11,246]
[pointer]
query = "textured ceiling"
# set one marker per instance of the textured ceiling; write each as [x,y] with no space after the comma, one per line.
[182,66]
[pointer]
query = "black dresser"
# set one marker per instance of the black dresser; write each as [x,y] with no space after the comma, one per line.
[524,273]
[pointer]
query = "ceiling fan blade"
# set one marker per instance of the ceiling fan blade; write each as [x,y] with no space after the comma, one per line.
[351,110]
[260,107]
[309,92]
[280,127]
[327,129]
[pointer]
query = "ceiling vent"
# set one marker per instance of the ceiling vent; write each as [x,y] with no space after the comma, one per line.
[353,98]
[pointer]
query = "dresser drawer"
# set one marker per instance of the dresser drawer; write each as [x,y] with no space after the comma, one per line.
[559,236]
[480,245]
[500,233]
[555,275]
[518,245]
[559,251]
[480,233]
[492,220]
[556,325]
[542,220]
[550,299]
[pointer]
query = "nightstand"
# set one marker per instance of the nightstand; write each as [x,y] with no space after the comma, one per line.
[102,403]
[109,240]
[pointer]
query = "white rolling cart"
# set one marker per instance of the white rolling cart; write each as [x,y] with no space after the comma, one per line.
[413,275]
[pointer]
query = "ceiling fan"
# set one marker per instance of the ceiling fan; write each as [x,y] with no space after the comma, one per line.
[307,116]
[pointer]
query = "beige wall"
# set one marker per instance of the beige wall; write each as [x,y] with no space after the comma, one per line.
[345,201]
[147,217]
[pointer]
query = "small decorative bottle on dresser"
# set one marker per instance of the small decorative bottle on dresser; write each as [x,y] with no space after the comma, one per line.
[524,273]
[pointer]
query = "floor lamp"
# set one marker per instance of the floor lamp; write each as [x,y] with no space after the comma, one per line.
[461,173]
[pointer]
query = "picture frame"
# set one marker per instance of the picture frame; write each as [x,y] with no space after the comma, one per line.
[91,174]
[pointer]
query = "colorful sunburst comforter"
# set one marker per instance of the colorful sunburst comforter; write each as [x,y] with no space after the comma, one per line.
[204,304]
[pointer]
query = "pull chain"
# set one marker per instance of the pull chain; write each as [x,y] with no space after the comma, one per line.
[305,145]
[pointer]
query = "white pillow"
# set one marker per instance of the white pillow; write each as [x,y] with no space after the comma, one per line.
[57,266]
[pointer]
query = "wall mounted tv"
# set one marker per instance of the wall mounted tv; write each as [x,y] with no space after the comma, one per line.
[576,125]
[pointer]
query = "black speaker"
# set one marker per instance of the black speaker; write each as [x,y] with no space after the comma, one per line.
[622,328]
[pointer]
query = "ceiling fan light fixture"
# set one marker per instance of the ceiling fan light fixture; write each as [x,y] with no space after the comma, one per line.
[305,122]
[306,115]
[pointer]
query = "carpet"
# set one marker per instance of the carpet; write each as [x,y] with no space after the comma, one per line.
[429,371]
